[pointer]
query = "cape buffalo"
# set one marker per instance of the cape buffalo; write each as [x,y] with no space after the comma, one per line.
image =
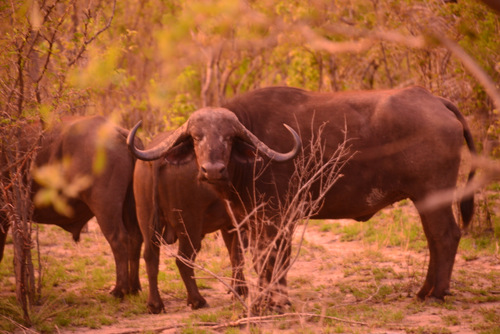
[407,143]
[171,206]
[96,148]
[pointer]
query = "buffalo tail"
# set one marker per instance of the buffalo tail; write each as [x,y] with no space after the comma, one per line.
[467,201]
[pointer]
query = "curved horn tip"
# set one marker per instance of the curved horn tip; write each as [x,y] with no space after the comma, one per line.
[295,135]
[132,132]
[288,127]
[296,148]
[138,125]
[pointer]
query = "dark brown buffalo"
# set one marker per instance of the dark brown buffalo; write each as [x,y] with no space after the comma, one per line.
[109,197]
[407,143]
[494,4]
[171,206]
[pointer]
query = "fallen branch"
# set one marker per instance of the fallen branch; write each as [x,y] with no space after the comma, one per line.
[24,329]
[155,330]
[247,321]
[268,318]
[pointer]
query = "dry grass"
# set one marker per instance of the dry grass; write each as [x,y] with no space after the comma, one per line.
[335,286]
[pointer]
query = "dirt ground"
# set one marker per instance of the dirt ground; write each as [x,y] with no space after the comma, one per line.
[340,283]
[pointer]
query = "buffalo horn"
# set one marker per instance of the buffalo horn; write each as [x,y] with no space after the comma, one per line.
[159,150]
[270,153]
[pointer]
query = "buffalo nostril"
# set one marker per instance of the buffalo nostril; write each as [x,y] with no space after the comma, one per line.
[214,170]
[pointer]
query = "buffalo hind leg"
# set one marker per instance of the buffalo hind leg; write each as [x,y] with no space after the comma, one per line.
[443,237]
[187,255]
[113,229]
[236,256]
[4,228]
[134,242]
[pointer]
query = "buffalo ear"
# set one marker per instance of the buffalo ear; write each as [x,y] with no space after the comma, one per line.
[181,153]
[243,152]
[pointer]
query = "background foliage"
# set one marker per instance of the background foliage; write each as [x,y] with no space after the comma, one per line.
[160,60]
[170,57]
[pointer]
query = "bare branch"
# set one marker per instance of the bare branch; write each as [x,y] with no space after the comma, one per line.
[366,39]
[90,40]
[469,63]
[490,172]
[270,226]
[206,83]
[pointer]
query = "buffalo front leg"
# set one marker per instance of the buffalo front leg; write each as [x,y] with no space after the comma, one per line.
[186,256]
[135,243]
[152,258]
[236,256]
[443,237]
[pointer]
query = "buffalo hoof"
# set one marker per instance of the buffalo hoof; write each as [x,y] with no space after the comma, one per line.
[117,293]
[431,299]
[439,296]
[421,297]
[281,305]
[197,304]
[135,289]
[274,305]
[434,300]
[156,308]
[424,292]
[433,295]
